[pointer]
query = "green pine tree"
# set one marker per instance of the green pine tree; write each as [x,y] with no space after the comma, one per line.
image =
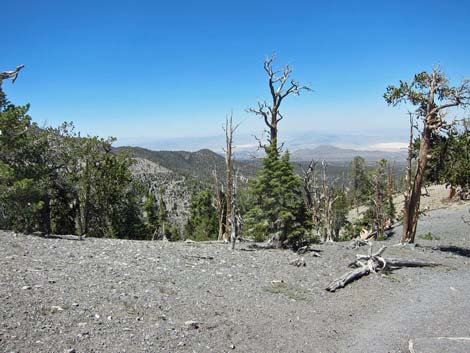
[276,208]
[360,187]
[21,203]
[449,161]
[202,223]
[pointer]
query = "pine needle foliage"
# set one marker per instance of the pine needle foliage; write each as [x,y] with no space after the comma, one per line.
[277,209]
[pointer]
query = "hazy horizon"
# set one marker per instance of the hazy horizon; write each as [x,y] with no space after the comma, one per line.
[293,141]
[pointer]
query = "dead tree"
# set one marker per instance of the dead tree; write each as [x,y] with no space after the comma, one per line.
[320,199]
[280,86]
[373,262]
[229,129]
[312,191]
[327,200]
[10,75]
[432,95]
[236,219]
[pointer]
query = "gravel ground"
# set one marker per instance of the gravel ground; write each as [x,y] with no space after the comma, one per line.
[99,295]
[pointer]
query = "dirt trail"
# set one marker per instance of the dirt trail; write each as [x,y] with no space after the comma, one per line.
[127,296]
[436,307]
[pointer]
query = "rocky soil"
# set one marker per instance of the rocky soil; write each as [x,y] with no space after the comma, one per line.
[99,295]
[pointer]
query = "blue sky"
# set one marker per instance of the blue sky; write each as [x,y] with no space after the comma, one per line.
[154,70]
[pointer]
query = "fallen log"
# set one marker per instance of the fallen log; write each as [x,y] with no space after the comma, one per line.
[348,278]
[398,263]
[366,264]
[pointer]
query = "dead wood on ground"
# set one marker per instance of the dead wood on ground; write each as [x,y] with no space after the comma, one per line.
[374,262]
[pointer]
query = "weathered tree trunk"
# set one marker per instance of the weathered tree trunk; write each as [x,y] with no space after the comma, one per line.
[329,218]
[327,201]
[273,125]
[348,277]
[411,210]
[229,182]
[233,225]
[221,224]
[312,193]
[407,194]
[229,185]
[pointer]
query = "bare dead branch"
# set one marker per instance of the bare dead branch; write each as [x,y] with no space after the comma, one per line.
[270,113]
[10,75]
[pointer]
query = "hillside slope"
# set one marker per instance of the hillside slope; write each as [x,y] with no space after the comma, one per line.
[177,175]
[174,188]
[198,165]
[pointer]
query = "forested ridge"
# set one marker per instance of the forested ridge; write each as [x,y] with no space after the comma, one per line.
[198,165]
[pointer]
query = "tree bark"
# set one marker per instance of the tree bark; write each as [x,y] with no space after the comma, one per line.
[229,186]
[229,129]
[411,210]
[233,228]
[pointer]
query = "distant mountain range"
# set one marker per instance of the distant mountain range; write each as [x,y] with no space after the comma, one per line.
[199,165]
[334,154]
[246,145]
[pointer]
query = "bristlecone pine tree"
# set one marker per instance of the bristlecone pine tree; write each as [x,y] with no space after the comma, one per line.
[432,95]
